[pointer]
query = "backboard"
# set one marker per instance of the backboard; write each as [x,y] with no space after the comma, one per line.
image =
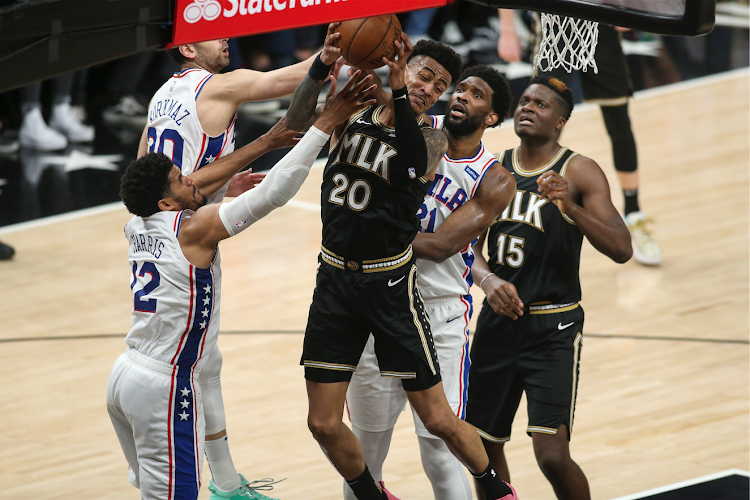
[668,17]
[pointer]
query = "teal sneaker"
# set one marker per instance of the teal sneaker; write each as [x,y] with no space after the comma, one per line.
[248,490]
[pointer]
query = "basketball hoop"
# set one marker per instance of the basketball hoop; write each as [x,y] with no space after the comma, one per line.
[567,42]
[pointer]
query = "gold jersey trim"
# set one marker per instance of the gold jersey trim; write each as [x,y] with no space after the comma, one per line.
[492,438]
[398,374]
[541,430]
[413,283]
[538,171]
[553,308]
[574,389]
[368,266]
[376,120]
[330,366]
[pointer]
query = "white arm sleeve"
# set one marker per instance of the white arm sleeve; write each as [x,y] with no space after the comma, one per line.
[279,186]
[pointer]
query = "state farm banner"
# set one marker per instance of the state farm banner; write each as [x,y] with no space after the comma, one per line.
[200,20]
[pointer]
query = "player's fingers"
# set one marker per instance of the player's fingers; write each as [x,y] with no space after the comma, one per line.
[332,89]
[408,48]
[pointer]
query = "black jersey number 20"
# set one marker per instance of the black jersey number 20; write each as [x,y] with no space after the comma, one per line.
[356,195]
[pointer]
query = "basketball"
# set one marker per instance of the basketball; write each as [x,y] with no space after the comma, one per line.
[364,42]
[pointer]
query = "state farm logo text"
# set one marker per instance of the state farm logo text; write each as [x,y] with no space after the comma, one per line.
[211,9]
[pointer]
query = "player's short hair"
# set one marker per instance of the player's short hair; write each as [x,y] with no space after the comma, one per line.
[176,55]
[564,95]
[502,97]
[443,54]
[145,182]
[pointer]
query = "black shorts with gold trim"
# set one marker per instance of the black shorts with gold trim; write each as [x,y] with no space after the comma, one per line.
[353,299]
[538,353]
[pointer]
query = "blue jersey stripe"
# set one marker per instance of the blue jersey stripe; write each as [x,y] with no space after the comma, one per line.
[186,485]
[213,150]
[204,305]
[201,87]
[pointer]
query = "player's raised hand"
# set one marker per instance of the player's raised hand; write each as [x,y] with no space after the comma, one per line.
[243,181]
[331,50]
[502,296]
[397,67]
[553,187]
[279,136]
[355,95]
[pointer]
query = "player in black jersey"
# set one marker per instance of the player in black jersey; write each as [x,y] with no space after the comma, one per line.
[529,338]
[373,185]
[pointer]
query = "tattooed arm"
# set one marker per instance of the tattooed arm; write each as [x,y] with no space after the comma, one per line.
[302,111]
[437,145]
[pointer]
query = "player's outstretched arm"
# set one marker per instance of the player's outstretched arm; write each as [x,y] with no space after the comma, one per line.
[212,223]
[244,85]
[302,110]
[213,176]
[583,196]
[471,219]
[501,295]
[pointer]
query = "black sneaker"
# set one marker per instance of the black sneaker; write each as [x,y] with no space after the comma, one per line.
[6,251]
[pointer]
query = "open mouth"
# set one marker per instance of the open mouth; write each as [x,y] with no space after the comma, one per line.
[458,110]
[420,100]
[525,120]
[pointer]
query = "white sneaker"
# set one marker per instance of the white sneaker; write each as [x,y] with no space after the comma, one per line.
[36,134]
[65,121]
[645,249]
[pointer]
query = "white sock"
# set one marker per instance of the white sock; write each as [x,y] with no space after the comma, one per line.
[220,462]
[375,447]
[445,472]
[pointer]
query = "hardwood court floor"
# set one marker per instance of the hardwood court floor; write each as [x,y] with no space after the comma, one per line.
[653,410]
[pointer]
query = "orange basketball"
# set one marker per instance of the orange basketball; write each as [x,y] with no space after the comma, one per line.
[364,42]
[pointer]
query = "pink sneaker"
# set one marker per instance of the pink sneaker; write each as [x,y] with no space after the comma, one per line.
[510,496]
[389,495]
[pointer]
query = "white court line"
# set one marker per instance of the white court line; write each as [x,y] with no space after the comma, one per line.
[580,108]
[77,214]
[305,205]
[691,482]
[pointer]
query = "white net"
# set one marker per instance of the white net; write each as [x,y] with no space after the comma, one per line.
[568,43]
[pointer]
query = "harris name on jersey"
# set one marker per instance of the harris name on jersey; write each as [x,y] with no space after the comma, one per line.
[146,243]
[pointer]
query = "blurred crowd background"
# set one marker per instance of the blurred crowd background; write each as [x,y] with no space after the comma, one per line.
[74,134]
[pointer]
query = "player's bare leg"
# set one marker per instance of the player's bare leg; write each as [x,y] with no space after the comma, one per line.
[462,439]
[325,420]
[553,456]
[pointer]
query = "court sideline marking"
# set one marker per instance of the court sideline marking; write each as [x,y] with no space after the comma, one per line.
[683,484]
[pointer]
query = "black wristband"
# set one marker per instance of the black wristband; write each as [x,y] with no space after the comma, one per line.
[319,70]
[400,93]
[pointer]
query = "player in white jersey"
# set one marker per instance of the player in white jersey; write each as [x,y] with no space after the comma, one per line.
[191,119]
[154,395]
[470,190]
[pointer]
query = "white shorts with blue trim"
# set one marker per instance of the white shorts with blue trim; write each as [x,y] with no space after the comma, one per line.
[374,403]
[157,414]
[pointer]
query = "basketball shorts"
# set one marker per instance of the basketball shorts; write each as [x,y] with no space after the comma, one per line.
[158,418]
[374,403]
[348,305]
[538,353]
[612,85]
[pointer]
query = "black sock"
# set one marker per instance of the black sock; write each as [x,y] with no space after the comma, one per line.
[364,487]
[493,486]
[631,200]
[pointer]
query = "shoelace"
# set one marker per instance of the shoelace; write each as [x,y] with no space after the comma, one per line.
[265,484]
